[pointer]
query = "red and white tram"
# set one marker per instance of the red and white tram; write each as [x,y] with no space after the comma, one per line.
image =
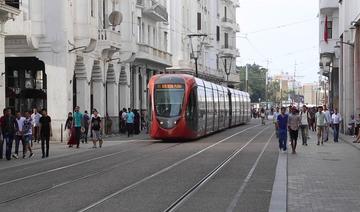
[185,107]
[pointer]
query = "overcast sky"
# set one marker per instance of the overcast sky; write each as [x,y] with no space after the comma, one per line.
[283,32]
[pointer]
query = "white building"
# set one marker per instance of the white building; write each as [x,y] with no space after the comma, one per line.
[329,54]
[92,53]
[215,19]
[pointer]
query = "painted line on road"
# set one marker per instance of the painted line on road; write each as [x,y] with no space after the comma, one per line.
[236,198]
[160,172]
[68,166]
[203,181]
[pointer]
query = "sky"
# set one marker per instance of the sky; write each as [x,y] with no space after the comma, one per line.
[279,34]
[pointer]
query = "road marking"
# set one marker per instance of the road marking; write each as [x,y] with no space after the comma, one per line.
[236,198]
[160,172]
[65,167]
[203,181]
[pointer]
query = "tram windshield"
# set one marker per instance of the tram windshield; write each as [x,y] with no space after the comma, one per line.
[169,99]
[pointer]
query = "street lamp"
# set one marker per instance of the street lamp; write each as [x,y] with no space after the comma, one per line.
[226,59]
[195,53]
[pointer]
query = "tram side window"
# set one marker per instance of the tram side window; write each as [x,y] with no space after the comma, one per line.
[201,108]
[191,110]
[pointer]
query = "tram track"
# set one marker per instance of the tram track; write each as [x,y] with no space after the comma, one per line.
[155,174]
[183,198]
[93,174]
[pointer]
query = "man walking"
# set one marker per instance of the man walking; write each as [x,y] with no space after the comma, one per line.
[320,121]
[45,133]
[36,124]
[86,121]
[96,127]
[2,119]
[275,115]
[130,122]
[19,135]
[10,127]
[327,125]
[282,125]
[294,124]
[304,125]
[78,123]
[27,132]
[335,122]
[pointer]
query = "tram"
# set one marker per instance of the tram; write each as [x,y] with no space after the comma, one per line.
[184,107]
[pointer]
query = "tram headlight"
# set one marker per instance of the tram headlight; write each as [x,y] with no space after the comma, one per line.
[175,122]
[161,122]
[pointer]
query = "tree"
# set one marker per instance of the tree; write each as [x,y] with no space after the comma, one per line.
[256,81]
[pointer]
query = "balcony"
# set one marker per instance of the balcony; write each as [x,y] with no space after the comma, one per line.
[236,3]
[329,4]
[155,10]
[237,27]
[329,47]
[230,51]
[109,39]
[228,23]
[149,53]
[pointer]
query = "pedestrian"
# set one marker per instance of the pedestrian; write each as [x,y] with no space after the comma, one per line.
[78,124]
[45,133]
[123,121]
[335,122]
[294,125]
[86,121]
[19,135]
[262,115]
[2,118]
[351,126]
[275,115]
[10,127]
[357,125]
[136,122]
[304,125]
[320,121]
[35,116]
[327,125]
[130,122]
[282,125]
[69,127]
[108,124]
[27,131]
[96,127]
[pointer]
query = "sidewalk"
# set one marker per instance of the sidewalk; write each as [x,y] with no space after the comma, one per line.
[324,178]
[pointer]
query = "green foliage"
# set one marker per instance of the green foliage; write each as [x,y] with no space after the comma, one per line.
[256,83]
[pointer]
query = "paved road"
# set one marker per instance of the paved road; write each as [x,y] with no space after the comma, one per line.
[233,170]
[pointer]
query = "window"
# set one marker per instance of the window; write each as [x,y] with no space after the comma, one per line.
[168,101]
[143,32]
[330,29]
[226,36]
[139,30]
[217,33]
[92,8]
[166,41]
[13,3]
[154,37]
[199,21]
[225,13]
[149,34]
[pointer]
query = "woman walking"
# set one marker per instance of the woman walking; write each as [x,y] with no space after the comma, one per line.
[70,130]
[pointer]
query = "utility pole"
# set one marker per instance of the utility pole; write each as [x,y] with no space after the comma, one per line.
[294,85]
[268,61]
[247,78]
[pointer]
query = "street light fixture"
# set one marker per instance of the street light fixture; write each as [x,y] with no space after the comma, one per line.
[226,59]
[195,53]
[342,42]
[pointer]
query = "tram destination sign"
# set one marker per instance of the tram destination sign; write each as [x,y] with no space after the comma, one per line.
[170,86]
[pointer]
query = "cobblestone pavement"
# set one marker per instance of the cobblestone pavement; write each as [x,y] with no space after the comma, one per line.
[324,178]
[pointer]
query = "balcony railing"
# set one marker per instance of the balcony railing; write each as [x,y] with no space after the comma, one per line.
[155,53]
[113,37]
[227,20]
[156,11]
[140,2]
[329,4]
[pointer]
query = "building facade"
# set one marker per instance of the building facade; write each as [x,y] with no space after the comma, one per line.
[343,62]
[216,51]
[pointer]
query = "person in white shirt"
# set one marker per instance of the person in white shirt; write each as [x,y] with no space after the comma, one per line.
[19,135]
[36,123]
[276,114]
[328,121]
[335,121]
[304,125]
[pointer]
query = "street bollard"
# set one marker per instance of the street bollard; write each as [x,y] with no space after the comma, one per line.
[61,134]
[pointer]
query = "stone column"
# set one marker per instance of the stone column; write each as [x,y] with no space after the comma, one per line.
[112,92]
[136,88]
[124,89]
[98,88]
[348,80]
[357,73]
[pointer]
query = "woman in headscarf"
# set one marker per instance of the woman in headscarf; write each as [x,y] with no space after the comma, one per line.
[69,127]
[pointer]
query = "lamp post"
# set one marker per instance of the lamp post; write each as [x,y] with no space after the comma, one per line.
[226,59]
[195,53]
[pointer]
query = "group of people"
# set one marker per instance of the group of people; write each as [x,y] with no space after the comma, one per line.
[78,125]
[28,128]
[295,120]
[130,121]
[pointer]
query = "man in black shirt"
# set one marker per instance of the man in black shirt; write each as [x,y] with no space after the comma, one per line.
[10,127]
[45,133]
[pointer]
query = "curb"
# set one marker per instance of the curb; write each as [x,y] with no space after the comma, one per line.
[357,146]
[278,202]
